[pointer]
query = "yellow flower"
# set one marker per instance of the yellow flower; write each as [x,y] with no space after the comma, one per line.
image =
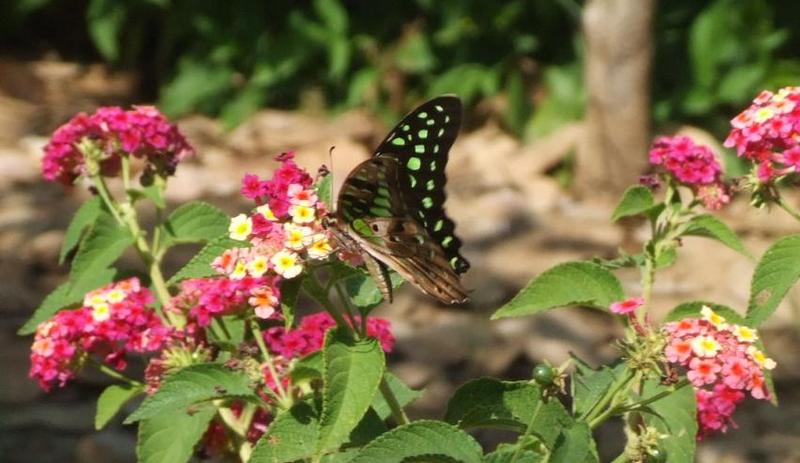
[761,359]
[116,295]
[712,317]
[297,237]
[239,271]
[745,333]
[301,213]
[240,228]
[763,114]
[101,312]
[320,247]
[258,266]
[94,298]
[266,212]
[286,264]
[705,346]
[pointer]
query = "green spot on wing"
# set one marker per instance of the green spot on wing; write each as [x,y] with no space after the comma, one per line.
[433,166]
[441,132]
[422,115]
[423,133]
[446,242]
[398,141]
[435,149]
[427,202]
[361,227]
[413,181]
[430,185]
[439,225]
[380,211]
[414,163]
[383,191]
[383,202]
[406,128]
[419,149]
[430,122]
[446,119]
[439,108]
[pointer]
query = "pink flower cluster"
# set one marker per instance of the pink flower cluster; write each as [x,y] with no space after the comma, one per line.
[693,165]
[204,298]
[142,132]
[113,321]
[309,335]
[768,133]
[722,363]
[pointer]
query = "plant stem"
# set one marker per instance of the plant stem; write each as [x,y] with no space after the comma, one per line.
[528,430]
[398,413]
[321,296]
[612,392]
[634,406]
[114,373]
[283,398]
[789,209]
[348,309]
[105,195]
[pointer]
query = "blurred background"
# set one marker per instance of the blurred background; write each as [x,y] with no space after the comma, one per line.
[563,98]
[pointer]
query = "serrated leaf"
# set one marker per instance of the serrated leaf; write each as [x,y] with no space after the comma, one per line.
[291,436]
[575,445]
[589,384]
[677,420]
[200,265]
[692,310]
[774,276]
[636,200]
[171,437]
[103,245]
[432,441]
[510,453]
[191,385]
[709,226]
[60,298]
[404,395]
[111,401]
[193,223]
[84,217]
[352,372]
[583,283]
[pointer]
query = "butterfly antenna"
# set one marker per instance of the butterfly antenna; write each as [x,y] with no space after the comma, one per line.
[330,172]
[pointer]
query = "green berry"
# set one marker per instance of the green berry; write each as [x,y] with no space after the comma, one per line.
[544,374]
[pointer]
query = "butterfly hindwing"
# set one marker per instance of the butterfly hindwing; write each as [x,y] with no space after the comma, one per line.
[421,143]
[374,211]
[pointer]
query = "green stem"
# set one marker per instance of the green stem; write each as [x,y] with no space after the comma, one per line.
[612,407]
[789,209]
[610,395]
[282,396]
[528,430]
[398,413]
[637,405]
[105,195]
[321,296]
[349,310]
[115,374]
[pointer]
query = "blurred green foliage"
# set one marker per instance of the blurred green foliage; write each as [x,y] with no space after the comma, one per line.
[520,58]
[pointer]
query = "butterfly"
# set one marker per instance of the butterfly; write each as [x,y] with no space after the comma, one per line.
[390,208]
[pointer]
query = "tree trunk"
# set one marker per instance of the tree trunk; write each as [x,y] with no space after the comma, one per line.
[619,48]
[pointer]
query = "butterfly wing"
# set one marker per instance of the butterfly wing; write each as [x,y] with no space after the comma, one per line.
[421,143]
[372,210]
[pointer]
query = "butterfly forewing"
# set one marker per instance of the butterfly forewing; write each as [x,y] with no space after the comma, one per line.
[421,143]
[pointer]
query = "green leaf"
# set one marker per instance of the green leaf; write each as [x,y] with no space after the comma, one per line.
[193,223]
[430,441]
[353,370]
[200,265]
[227,331]
[677,419]
[60,298]
[104,244]
[324,188]
[83,218]
[111,401]
[711,227]
[308,368]
[511,453]
[106,20]
[589,384]
[404,395]
[583,283]
[775,274]
[292,436]
[370,427]
[171,437]
[636,200]
[193,384]
[290,290]
[575,445]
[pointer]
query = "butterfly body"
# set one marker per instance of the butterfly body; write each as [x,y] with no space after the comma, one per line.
[390,207]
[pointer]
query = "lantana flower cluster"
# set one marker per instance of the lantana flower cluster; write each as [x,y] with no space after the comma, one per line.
[693,165]
[768,133]
[113,321]
[142,132]
[722,362]
[283,231]
[205,298]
